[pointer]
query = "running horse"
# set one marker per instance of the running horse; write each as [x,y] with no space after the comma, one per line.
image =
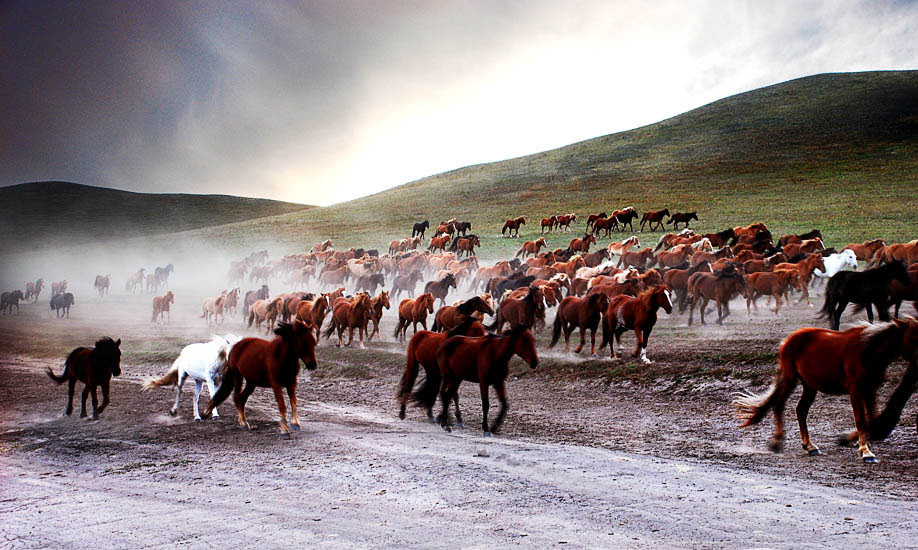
[682,217]
[583,243]
[582,313]
[161,306]
[420,228]
[10,299]
[313,313]
[214,307]
[135,281]
[449,317]
[564,222]
[251,297]
[862,288]
[161,275]
[625,216]
[94,367]
[519,312]
[465,244]
[267,311]
[637,313]
[274,364]
[485,360]
[377,304]
[322,246]
[531,247]
[513,225]
[591,219]
[440,289]
[720,286]
[549,223]
[853,361]
[413,311]
[102,283]
[350,314]
[865,251]
[654,217]
[60,304]
[33,290]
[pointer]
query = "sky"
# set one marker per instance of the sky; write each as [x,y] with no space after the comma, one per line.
[323,102]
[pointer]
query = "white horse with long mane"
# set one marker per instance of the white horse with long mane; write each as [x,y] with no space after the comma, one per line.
[202,362]
[835,263]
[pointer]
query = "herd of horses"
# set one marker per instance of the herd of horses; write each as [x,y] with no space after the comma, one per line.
[614,289]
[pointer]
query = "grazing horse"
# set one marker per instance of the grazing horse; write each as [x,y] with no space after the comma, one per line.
[682,217]
[265,310]
[865,251]
[350,314]
[94,367]
[482,359]
[638,313]
[370,282]
[654,217]
[275,364]
[33,290]
[161,305]
[853,361]
[420,228]
[102,283]
[313,313]
[10,299]
[720,286]
[449,317]
[203,363]
[582,245]
[625,217]
[60,304]
[565,221]
[439,289]
[549,223]
[591,219]
[422,351]
[531,247]
[677,281]
[775,283]
[214,307]
[513,225]
[413,311]
[862,288]
[519,312]
[377,304]
[583,313]
[135,281]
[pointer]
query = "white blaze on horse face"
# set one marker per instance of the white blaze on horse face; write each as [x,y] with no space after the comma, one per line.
[668,298]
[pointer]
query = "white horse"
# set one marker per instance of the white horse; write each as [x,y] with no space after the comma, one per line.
[202,362]
[835,263]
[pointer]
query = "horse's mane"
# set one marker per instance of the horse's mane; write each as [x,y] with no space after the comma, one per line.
[593,298]
[105,342]
[284,330]
[461,328]
[697,267]
[469,306]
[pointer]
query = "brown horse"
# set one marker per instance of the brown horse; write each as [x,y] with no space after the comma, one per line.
[677,281]
[413,311]
[720,286]
[102,284]
[564,222]
[806,268]
[771,283]
[334,277]
[605,224]
[485,360]
[625,216]
[94,367]
[635,313]
[213,307]
[619,248]
[677,257]
[313,313]
[519,312]
[804,247]
[582,244]
[440,289]
[583,313]
[161,305]
[569,267]
[59,287]
[322,246]
[549,223]
[350,314]
[449,317]
[467,245]
[262,363]
[682,217]
[853,361]
[866,250]
[485,274]
[438,243]
[642,258]
[513,225]
[10,299]
[591,219]
[531,247]
[377,304]
[422,351]
[654,217]
[267,311]
[33,290]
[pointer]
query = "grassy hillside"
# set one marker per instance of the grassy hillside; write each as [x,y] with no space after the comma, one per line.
[54,213]
[834,151]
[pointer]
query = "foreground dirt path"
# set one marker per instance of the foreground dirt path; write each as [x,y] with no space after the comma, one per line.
[356,477]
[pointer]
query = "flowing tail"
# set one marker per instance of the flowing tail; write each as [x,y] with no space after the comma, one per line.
[332,325]
[751,408]
[57,379]
[169,379]
[555,331]
[829,306]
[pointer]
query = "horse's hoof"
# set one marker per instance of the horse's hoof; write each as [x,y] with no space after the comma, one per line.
[459,424]
[431,420]
[487,434]
[173,412]
[775,446]
[196,419]
[285,436]
[244,428]
[871,460]
[401,414]
[447,429]
[295,427]
[814,452]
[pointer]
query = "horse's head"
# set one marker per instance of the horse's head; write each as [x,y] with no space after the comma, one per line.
[450,280]
[384,298]
[426,301]
[524,345]
[107,353]
[170,297]
[849,258]
[304,343]
[662,298]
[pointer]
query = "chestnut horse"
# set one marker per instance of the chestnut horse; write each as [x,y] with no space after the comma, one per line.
[642,258]
[449,317]
[438,243]
[262,363]
[313,313]
[654,217]
[605,224]
[485,360]
[583,313]
[531,247]
[582,244]
[564,222]
[720,286]
[267,311]
[350,314]
[413,311]
[422,350]
[161,305]
[853,361]
[549,223]
[638,313]
[519,312]
[94,367]
[682,217]
[806,267]
[677,281]
[591,219]
[625,216]
[771,283]
[866,250]
[513,225]
[33,290]
[377,304]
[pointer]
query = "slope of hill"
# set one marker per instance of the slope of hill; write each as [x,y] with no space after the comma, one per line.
[36,215]
[835,151]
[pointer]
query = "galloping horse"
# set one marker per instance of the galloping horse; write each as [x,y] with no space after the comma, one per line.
[438,243]
[465,244]
[513,225]
[413,311]
[162,277]
[519,312]
[262,364]
[605,224]
[482,359]
[449,317]
[462,227]
[531,247]
[203,363]
[591,219]
[59,287]
[720,286]
[377,304]
[865,251]
[720,238]
[677,281]
[583,313]
[322,246]
[654,217]
[625,216]
[439,289]
[61,303]
[10,299]
[94,367]
[420,228]
[161,305]
[863,288]
[350,314]
[251,297]
[370,282]
[835,363]
[788,239]
[642,258]
[135,281]
[33,290]
[549,223]
[582,244]
[313,313]
[806,268]
[636,313]
[214,307]
[267,311]
[682,217]
[775,283]
[102,283]
[564,222]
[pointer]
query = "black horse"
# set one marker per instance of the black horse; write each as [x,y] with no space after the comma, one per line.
[511,284]
[420,228]
[61,303]
[682,217]
[862,288]
[440,288]
[251,297]
[462,227]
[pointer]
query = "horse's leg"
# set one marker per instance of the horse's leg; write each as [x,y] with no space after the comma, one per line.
[294,417]
[360,334]
[198,384]
[459,423]
[178,392]
[281,409]
[582,339]
[83,402]
[803,408]
[212,389]
[71,384]
[445,396]
[567,329]
[485,405]
[836,316]
[501,390]
[869,309]
[240,397]
[642,337]
[593,354]
[726,308]
[859,404]
[95,402]
[704,306]
[105,401]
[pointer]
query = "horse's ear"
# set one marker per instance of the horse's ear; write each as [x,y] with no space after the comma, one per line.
[118,343]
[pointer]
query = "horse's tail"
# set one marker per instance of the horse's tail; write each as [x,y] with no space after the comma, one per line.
[169,379]
[332,325]
[828,307]
[58,379]
[555,330]
[518,252]
[751,408]
[881,426]
[230,375]
[437,325]
[251,316]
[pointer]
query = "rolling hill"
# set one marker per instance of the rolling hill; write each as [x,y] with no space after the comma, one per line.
[835,151]
[56,213]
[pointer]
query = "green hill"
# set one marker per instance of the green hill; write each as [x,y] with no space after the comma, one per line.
[56,213]
[834,151]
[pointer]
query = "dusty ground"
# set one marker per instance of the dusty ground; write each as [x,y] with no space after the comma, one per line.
[592,453]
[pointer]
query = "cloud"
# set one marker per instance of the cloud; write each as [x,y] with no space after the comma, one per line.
[322,102]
